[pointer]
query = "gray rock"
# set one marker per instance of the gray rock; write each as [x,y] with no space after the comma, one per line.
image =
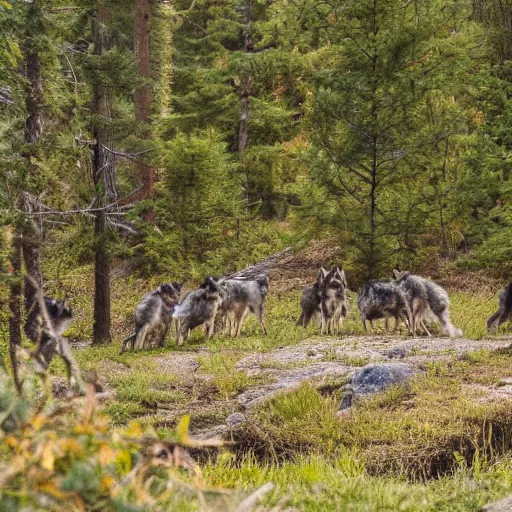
[504,505]
[373,378]
[236,419]
[217,432]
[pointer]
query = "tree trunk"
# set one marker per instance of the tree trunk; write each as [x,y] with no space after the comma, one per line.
[103,169]
[143,94]
[245,90]
[15,310]
[31,229]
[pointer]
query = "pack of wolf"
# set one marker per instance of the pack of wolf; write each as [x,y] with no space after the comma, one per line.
[220,306]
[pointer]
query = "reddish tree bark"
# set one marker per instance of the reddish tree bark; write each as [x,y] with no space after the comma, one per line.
[143,94]
[103,169]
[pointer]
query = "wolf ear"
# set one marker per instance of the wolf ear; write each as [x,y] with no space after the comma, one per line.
[322,274]
[343,277]
[211,283]
[177,286]
[396,273]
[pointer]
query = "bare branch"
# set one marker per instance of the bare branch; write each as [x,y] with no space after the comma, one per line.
[130,156]
[88,210]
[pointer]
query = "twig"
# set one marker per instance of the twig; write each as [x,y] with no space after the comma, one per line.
[130,156]
[250,502]
[71,67]
[258,268]
[88,210]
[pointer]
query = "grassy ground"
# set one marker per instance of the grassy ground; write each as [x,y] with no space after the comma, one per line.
[386,455]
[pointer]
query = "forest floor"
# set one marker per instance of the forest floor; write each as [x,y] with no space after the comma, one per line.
[450,429]
[439,444]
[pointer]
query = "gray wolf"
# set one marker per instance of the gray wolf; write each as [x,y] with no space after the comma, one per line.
[334,304]
[383,299]
[428,300]
[415,289]
[154,316]
[60,313]
[238,298]
[198,308]
[504,312]
[311,300]
[49,338]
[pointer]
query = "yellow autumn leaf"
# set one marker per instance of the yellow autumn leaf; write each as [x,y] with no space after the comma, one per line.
[37,422]
[182,429]
[5,4]
[51,489]
[106,483]
[133,429]
[48,458]
[12,441]
[124,461]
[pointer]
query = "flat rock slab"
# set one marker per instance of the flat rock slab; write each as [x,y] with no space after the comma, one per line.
[372,348]
[321,359]
[504,505]
[490,393]
[286,380]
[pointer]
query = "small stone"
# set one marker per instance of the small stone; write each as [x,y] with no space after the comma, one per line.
[236,419]
[397,353]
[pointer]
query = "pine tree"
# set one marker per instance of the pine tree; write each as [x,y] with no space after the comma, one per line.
[367,108]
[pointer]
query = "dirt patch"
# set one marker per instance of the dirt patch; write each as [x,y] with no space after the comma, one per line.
[179,363]
[300,268]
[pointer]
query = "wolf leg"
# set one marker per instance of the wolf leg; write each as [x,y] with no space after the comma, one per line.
[240,320]
[259,314]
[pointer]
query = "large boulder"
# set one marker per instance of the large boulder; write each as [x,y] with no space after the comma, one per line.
[374,378]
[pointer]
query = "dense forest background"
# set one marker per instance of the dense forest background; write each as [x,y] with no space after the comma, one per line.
[198,136]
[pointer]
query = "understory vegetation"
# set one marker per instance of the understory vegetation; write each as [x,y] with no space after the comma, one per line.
[438,444]
[147,142]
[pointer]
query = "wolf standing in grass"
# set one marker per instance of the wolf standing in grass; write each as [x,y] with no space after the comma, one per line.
[311,300]
[198,308]
[383,299]
[334,305]
[504,312]
[241,296]
[415,290]
[154,313]
[426,298]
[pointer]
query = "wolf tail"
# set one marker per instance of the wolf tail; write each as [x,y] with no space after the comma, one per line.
[507,305]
